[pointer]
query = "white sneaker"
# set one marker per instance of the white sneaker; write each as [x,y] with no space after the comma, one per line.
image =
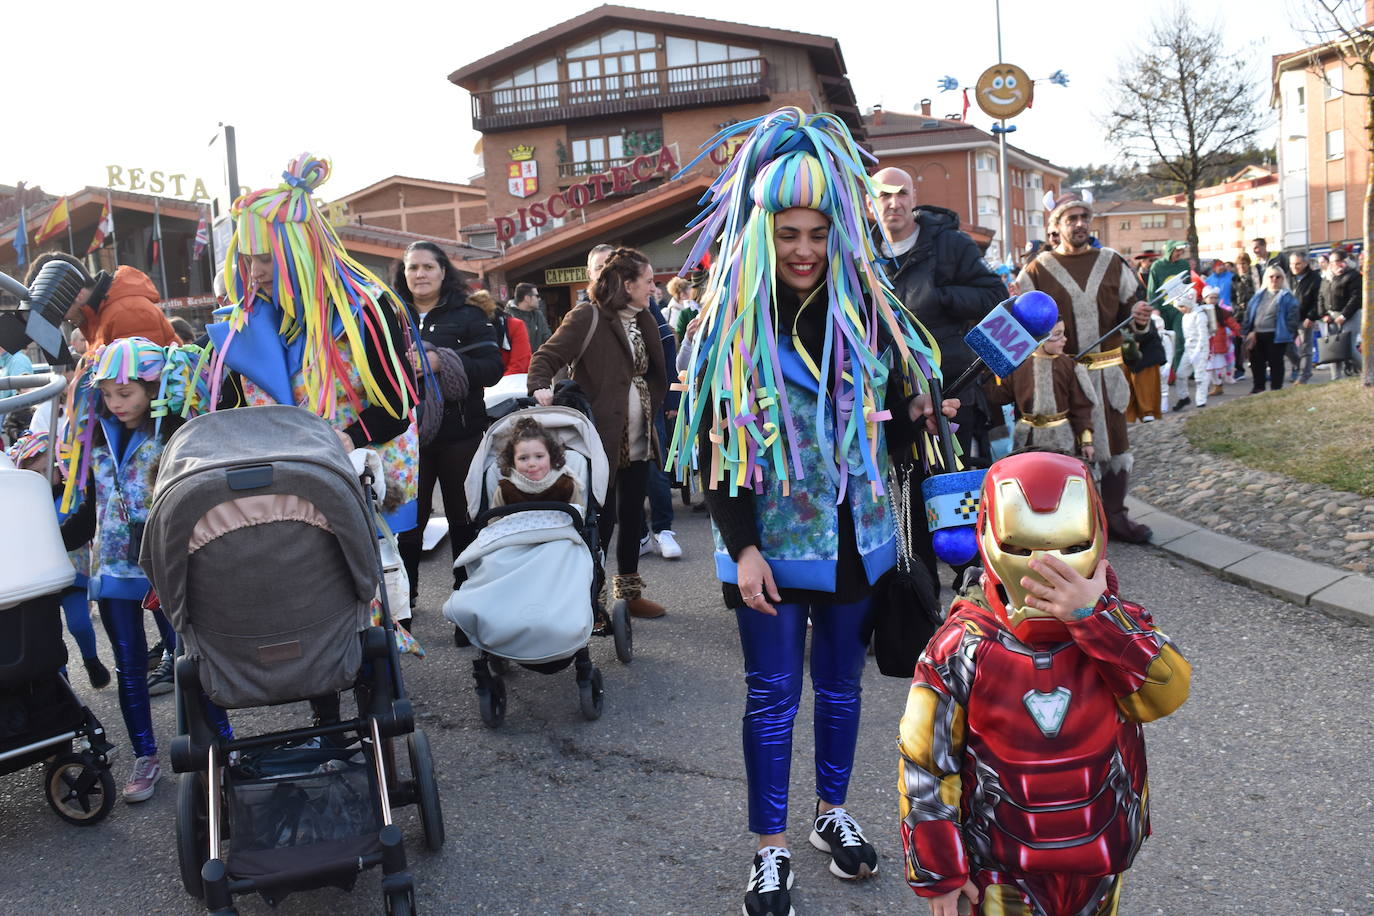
[668,546]
[646,545]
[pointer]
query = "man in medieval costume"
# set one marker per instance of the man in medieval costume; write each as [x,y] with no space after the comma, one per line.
[1096,291]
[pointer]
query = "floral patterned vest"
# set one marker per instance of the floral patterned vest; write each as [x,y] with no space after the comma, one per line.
[799,533]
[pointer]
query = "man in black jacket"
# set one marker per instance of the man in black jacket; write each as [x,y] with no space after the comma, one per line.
[938,273]
[1306,285]
[1342,296]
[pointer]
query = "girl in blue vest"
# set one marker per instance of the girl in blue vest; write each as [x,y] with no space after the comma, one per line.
[130,397]
[803,354]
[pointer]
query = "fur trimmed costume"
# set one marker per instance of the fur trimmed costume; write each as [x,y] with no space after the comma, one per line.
[1054,401]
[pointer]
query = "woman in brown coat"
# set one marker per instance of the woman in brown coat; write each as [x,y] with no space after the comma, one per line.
[612,346]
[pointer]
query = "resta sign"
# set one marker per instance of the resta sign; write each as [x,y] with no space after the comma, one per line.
[132,179]
[618,180]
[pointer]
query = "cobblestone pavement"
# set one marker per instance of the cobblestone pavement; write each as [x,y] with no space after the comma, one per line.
[1305,520]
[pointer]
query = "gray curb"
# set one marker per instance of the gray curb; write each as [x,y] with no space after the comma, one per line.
[1337,592]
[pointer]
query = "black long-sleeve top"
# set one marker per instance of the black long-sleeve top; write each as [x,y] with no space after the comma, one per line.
[735,516]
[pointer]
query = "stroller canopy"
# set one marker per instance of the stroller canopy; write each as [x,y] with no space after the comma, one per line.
[573,430]
[265,451]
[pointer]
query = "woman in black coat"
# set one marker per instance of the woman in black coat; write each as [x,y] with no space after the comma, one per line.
[437,292]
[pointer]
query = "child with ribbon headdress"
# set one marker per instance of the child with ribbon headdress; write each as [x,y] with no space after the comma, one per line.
[129,397]
[311,326]
[802,356]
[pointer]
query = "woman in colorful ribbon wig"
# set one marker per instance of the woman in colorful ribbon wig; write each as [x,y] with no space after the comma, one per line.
[804,353]
[130,396]
[311,326]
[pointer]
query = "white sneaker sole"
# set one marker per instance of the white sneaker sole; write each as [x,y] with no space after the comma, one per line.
[864,870]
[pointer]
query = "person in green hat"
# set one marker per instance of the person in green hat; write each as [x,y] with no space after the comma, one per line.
[1162,269]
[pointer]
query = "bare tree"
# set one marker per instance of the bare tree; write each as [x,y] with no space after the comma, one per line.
[1339,29]
[1185,106]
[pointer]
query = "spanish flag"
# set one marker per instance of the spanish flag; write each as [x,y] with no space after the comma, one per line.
[55,223]
[103,228]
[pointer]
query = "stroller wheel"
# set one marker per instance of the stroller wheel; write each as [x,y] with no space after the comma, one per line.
[401,903]
[591,696]
[492,700]
[78,789]
[426,790]
[193,838]
[622,631]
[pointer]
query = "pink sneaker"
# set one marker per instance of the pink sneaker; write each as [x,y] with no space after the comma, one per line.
[147,771]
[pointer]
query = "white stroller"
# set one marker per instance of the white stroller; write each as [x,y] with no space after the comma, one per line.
[535,570]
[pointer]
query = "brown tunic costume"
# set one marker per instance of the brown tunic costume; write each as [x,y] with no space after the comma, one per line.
[1094,291]
[1053,399]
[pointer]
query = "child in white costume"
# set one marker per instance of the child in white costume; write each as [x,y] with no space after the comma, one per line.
[1198,326]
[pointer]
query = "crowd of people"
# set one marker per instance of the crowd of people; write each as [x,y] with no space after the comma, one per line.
[786,402]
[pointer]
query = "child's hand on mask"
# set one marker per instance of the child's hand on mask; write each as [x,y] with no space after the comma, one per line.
[1061,590]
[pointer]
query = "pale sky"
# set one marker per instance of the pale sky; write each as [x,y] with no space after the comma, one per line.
[144,84]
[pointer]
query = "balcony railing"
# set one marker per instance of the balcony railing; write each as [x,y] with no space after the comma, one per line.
[571,171]
[723,82]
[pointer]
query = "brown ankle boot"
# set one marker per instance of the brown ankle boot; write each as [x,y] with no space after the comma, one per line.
[631,588]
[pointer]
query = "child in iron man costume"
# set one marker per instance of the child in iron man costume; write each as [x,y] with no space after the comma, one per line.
[1023,776]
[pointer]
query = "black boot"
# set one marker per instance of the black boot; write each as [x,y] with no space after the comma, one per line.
[1119,523]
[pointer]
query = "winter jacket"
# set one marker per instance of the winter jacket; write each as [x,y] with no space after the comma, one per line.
[944,283]
[515,344]
[129,309]
[1223,283]
[464,328]
[1285,320]
[1197,333]
[535,323]
[1342,294]
[1306,288]
[669,341]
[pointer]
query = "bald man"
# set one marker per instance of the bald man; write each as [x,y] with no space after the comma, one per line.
[939,274]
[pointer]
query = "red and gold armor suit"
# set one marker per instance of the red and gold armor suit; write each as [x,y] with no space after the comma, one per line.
[1022,754]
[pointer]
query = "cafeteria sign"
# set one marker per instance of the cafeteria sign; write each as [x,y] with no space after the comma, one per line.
[617,180]
[562,276]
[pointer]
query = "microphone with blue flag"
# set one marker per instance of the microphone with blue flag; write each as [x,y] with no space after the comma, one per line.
[1002,341]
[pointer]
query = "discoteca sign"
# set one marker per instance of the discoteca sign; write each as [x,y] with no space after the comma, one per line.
[616,180]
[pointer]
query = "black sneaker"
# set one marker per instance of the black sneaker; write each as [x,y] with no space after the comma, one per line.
[1184,402]
[770,879]
[851,855]
[155,655]
[162,678]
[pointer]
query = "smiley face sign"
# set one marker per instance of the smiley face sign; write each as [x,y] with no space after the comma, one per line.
[1004,91]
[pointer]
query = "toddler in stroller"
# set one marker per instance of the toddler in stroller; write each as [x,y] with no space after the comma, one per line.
[534,571]
[262,546]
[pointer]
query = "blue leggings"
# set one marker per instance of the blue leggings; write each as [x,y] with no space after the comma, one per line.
[77,609]
[774,650]
[123,620]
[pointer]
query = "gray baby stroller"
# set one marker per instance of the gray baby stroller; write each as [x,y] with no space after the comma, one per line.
[534,571]
[262,546]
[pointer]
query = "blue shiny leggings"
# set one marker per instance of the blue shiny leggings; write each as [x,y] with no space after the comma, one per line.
[123,620]
[774,650]
[77,609]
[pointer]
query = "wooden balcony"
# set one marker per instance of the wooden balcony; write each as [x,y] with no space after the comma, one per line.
[722,83]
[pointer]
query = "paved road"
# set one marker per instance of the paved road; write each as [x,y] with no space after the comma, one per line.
[1262,787]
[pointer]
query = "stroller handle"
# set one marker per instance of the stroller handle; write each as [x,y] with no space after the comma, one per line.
[52,386]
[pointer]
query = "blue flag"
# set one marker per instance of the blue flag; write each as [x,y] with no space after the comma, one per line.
[21,239]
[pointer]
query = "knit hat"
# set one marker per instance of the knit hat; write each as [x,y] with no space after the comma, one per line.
[1058,205]
[1211,291]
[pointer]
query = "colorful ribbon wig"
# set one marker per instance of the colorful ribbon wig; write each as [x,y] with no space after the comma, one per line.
[181,375]
[323,293]
[735,385]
